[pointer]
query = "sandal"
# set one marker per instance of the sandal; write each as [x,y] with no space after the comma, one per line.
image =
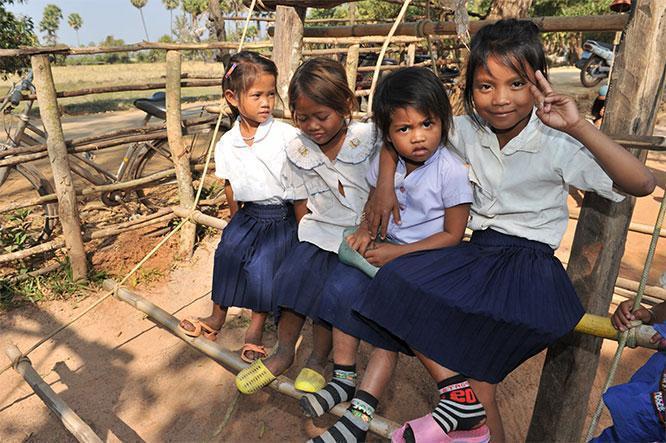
[253,378]
[426,430]
[309,380]
[200,328]
[251,347]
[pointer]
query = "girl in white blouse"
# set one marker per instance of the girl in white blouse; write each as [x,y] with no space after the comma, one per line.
[262,230]
[478,310]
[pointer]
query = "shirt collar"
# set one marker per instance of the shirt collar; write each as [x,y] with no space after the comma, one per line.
[261,133]
[402,167]
[527,140]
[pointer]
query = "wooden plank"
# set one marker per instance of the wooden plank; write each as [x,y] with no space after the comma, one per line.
[351,66]
[287,46]
[62,175]
[633,100]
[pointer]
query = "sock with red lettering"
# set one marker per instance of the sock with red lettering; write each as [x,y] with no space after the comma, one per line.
[458,407]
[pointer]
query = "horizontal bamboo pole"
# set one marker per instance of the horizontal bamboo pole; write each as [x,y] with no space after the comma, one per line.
[600,326]
[633,227]
[393,67]
[77,427]
[16,278]
[358,40]
[48,246]
[227,359]
[200,217]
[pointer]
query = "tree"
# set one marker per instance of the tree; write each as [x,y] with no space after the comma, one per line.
[194,30]
[509,8]
[171,5]
[50,23]
[139,4]
[14,32]
[75,22]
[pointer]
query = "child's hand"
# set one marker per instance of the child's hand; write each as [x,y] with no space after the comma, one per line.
[379,209]
[555,110]
[622,317]
[359,240]
[381,253]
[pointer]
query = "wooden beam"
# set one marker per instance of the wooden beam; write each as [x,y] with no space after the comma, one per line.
[287,46]
[77,427]
[570,368]
[62,175]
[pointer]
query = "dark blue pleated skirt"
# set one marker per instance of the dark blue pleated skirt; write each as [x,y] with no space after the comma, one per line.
[480,308]
[252,248]
[301,279]
[344,287]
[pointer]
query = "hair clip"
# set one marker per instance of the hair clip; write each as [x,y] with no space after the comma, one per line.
[231,69]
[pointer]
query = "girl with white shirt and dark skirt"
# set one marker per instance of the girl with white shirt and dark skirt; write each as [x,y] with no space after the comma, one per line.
[250,158]
[474,312]
[412,111]
[327,166]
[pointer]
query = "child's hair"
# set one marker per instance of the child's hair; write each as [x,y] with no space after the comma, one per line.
[514,43]
[323,81]
[243,69]
[418,88]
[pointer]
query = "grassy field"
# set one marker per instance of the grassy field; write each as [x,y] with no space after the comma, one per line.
[69,78]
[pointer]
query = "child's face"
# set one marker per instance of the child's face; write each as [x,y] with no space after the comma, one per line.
[414,135]
[502,98]
[255,104]
[320,123]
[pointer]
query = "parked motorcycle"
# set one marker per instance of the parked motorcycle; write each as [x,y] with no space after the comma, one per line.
[595,62]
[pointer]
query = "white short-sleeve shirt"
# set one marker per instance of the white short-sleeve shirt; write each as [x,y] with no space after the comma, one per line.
[314,177]
[255,171]
[440,183]
[522,189]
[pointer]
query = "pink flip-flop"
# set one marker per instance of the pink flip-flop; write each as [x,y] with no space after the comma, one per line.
[426,430]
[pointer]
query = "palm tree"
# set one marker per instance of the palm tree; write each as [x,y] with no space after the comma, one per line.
[138,4]
[171,5]
[75,22]
[50,23]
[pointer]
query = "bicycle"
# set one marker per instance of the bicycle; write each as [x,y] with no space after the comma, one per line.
[140,160]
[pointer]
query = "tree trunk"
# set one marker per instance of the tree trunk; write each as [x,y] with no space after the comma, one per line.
[570,368]
[509,8]
[287,45]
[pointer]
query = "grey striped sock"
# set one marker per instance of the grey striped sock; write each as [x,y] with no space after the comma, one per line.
[340,389]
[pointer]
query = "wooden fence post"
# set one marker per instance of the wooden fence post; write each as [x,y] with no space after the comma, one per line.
[179,153]
[631,108]
[411,54]
[351,66]
[62,175]
[287,45]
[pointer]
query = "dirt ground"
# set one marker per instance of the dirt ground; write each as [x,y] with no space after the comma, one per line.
[131,381]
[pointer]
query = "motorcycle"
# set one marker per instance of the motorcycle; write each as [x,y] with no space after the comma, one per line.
[595,62]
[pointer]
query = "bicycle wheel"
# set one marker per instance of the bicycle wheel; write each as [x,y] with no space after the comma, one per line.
[25,227]
[588,75]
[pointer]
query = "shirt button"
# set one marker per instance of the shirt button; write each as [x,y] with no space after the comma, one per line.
[402,207]
[402,189]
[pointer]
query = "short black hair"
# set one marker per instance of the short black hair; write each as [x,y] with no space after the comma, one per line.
[418,88]
[514,43]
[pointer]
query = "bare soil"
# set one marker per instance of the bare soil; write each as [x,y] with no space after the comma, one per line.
[132,381]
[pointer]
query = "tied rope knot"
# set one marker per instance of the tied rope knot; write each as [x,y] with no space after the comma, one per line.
[420,27]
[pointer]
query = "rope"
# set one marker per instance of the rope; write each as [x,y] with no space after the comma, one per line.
[380,58]
[160,244]
[637,302]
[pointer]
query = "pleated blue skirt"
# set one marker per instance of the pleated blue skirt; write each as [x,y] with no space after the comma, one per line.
[480,308]
[300,280]
[252,248]
[344,287]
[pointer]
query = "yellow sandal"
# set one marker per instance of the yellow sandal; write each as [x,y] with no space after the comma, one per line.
[253,378]
[309,380]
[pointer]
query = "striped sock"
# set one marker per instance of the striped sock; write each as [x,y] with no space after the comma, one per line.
[458,407]
[353,425]
[339,389]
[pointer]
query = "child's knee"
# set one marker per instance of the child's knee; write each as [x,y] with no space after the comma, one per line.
[486,393]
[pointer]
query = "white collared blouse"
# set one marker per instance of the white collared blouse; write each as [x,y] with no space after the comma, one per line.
[255,171]
[522,189]
[315,178]
[440,183]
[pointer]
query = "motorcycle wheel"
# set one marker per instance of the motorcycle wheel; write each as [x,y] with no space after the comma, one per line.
[586,77]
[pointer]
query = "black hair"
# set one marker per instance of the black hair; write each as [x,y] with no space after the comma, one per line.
[242,70]
[418,88]
[323,81]
[514,43]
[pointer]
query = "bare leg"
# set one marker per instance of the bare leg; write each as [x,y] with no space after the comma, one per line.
[289,328]
[321,348]
[486,393]
[255,331]
[436,371]
[379,371]
[345,348]
[215,320]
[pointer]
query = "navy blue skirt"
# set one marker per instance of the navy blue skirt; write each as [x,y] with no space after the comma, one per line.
[344,287]
[252,248]
[480,308]
[300,280]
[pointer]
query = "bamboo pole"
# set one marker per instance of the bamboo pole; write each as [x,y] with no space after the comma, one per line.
[600,326]
[411,54]
[393,67]
[179,153]
[62,176]
[358,40]
[200,217]
[351,66]
[77,427]
[227,359]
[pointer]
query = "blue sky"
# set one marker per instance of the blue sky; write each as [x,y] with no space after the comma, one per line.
[101,18]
